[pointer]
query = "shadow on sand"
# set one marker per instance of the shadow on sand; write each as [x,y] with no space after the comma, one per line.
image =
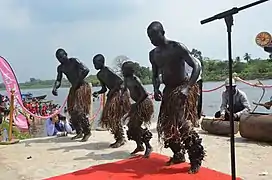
[105,156]
[87,146]
[54,139]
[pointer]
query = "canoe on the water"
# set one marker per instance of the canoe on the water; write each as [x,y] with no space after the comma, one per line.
[256,126]
[40,97]
[215,126]
[30,98]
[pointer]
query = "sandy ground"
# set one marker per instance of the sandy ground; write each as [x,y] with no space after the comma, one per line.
[55,156]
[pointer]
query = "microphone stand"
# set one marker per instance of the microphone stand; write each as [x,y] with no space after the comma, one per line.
[228,17]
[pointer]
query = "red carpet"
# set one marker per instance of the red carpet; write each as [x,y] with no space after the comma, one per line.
[143,169]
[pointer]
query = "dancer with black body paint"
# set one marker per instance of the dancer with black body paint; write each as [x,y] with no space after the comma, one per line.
[178,109]
[79,98]
[141,111]
[114,108]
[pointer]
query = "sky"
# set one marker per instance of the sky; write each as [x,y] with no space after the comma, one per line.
[31,31]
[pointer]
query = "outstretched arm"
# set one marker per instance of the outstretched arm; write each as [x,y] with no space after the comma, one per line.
[144,94]
[191,62]
[155,73]
[103,86]
[267,105]
[57,83]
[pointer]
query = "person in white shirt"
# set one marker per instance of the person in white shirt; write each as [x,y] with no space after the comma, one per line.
[58,125]
[240,103]
[200,85]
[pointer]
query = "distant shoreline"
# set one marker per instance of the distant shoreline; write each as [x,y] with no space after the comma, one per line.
[48,87]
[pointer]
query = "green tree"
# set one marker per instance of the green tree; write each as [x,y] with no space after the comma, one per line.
[197,54]
[117,62]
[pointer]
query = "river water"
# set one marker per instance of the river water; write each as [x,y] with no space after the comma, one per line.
[211,100]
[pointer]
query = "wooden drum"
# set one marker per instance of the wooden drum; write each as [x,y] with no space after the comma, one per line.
[256,126]
[218,127]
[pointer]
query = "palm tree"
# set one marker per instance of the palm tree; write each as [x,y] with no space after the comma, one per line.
[247,57]
[238,59]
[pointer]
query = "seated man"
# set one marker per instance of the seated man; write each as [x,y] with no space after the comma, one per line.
[58,126]
[240,103]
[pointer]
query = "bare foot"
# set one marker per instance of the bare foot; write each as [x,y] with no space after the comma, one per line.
[77,136]
[147,152]
[138,149]
[86,137]
[112,144]
[194,169]
[175,161]
[118,143]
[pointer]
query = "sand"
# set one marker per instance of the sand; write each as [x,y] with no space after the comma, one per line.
[40,158]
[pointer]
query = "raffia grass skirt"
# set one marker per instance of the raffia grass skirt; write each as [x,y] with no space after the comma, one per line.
[80,99]
[143,113]
[115,108]
[178,113]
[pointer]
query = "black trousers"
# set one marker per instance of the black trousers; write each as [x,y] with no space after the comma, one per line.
[235,110]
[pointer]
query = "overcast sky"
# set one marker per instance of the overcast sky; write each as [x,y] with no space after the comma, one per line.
[32,30]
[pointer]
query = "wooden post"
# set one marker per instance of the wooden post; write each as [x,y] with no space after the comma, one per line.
[11,114]
[10,138]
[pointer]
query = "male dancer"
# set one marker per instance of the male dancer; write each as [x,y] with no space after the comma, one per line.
[141,111]
[178,107]
[79,97]
[114,108]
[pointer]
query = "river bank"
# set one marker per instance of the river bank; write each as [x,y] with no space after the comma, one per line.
[206,80]
[211,100]
[41,158]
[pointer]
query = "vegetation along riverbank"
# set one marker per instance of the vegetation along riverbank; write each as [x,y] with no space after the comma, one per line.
[214,70]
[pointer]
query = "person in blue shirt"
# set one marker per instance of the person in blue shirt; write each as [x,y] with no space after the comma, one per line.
[58,126]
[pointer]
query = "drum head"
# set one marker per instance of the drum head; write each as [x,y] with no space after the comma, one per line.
[263,39]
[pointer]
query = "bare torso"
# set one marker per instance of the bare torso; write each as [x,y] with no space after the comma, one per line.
[72,70]
[109,78]
[170,63]
[135,88]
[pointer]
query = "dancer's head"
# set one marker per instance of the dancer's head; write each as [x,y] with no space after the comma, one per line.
[61,55]
[156,33]
[98,61]
[128,68]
